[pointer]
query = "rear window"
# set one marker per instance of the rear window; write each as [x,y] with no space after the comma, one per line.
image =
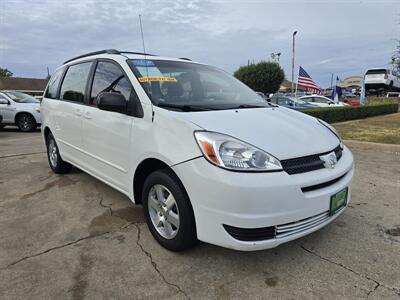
[74,84]
[52,87]
[380,71]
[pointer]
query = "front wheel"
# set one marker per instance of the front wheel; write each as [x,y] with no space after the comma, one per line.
[53,155]
[168,212]
[26,122]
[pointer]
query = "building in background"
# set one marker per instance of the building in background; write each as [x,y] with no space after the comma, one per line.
[351,83]
[286,87]
[31,86]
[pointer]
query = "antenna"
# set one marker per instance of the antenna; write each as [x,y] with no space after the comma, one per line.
[144,48]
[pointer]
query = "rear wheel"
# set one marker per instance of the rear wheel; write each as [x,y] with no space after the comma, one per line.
[168,211]
[2,126]
[26,122]
[55,161]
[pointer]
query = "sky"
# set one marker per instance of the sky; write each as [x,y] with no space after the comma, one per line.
[339,37]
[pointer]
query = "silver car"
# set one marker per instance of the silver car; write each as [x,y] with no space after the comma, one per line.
[19,109]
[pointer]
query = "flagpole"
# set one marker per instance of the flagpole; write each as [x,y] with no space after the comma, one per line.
[297,83]
[293,45]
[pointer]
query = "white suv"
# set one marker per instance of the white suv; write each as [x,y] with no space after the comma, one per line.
[19,109]
[381,80]
[207,157]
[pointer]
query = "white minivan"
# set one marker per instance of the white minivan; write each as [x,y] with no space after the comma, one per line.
[208,158]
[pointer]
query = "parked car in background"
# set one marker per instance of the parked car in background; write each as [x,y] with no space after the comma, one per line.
[352,102]
[381,80]
[208,159]
[393,95]
[321,101]
[20,109]
[291,102]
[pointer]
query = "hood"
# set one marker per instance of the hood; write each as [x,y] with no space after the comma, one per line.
[281,132]
[27,105]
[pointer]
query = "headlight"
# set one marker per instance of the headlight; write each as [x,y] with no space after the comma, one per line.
[230,153]
[333,130]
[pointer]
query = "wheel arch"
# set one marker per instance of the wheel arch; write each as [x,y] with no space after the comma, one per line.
[46,133]
[143,170]
[23,113]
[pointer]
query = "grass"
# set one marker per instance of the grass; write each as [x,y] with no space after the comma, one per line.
[382,129]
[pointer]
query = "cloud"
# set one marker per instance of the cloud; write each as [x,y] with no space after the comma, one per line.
[334,37]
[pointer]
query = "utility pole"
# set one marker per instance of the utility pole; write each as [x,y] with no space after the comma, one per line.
[293,52]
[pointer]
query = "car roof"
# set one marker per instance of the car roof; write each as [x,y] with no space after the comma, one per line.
[112,53]
[377,69]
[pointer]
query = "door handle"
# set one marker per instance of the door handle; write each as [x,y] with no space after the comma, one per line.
[87,115]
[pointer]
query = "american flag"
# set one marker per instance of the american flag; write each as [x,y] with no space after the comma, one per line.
[305,80]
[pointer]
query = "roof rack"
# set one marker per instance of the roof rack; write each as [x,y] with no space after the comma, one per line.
[185,58]
[106,51]
[140,53]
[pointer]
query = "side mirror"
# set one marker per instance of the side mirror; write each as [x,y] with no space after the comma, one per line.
[4,101]
[291,104]
[112,102]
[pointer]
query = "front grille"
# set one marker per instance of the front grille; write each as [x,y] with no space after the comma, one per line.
[278,231]
[321,185]
[302,225]
[307,163]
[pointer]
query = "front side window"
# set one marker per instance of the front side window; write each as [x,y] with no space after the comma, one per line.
[74,83]
[176,84]
[20,97]
[321,100]
[52,87]
[109,78]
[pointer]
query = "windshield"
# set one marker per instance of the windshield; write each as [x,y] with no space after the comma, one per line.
[297,100]
[376,71]
[177,85]
[21,97]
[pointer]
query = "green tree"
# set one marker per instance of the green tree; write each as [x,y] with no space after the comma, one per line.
[396,59]
[5,73]
[264,76]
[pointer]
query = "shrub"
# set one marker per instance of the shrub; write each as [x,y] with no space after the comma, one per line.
[345,113]
[263,77]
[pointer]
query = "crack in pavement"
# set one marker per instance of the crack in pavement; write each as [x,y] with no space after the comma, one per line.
[53,248]
[64,245]
[103,205]
[377,284]
[21,154]
[373,290]
[154,264]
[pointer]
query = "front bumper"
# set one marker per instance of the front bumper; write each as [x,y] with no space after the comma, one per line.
[258,200]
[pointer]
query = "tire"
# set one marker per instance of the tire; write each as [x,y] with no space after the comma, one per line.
[2,126]
[177,228]
[26,122]
[53,155]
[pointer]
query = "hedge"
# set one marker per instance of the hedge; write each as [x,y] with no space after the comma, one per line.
[345,113]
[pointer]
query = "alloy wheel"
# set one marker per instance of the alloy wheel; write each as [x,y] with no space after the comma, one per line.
[52,148]
[163,211]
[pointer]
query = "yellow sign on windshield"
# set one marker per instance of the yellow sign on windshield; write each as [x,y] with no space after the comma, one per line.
[149,79]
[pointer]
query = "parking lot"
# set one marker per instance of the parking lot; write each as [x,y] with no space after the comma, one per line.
[74,237]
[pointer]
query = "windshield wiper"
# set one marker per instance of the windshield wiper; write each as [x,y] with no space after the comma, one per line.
[184,107]
[249,106]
